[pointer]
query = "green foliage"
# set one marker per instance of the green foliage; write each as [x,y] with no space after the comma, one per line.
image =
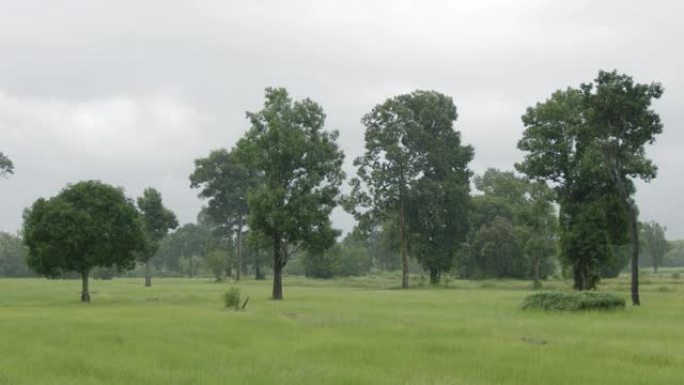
[590,144]
[216,262]
[675,254]
[513,229]
[415,168]
[498,252]
[226,181]
[231,298]
[654,242]
[13,255]
[300,171]
[157,220]
[88,224]
[576,301]
[6,165]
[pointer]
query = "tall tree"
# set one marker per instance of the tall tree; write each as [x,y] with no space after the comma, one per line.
[300,171]
[590,142]
[6,165]
[556,141]
[88,224]
[619,114]
[414,156]
[157,221]
[655,243]
[225,180]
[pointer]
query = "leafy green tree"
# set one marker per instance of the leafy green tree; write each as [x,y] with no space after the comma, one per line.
[622,123]
[157,221]
[216,261]
[560,150]
[6,165]
[498,251]
[654,242]
[414,156]
[528,206]
[88,224]
[189,242]
[13,254]
[300,171]
[226,181]
[325,264]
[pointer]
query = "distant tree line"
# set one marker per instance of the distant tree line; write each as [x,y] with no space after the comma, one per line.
[568,206]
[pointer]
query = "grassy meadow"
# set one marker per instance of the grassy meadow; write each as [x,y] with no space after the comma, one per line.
[352,331]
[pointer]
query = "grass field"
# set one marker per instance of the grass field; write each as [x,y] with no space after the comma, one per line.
[356,331]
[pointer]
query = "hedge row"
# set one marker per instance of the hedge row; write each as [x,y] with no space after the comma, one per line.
[573,301]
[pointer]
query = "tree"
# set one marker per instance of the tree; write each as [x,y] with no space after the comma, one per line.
[655,243]
[528,206]
[225,181]
[88,224]
[619,114]
[216,262]
[560,150]
[13,254]
[498,251]
[300,171]
[6,165]
[189,242]
[157,221]
[413,154]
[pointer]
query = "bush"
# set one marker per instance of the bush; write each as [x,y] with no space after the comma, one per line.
[574,301]
[231,298]
[676,275]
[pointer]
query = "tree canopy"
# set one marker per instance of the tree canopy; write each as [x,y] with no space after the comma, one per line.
[6,165]
[415,167]
[590,143]
[88,224]
[157,221]
[300,171]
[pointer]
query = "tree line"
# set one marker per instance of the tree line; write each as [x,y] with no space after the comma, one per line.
[273,192]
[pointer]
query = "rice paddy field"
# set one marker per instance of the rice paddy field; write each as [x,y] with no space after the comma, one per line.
[351,331]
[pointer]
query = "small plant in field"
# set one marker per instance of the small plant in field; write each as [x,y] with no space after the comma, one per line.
[575,301]
[676,275]
[231,298]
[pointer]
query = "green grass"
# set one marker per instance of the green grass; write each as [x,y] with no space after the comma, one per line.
[354,331]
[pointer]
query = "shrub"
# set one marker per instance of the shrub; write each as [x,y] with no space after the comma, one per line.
[676,275]
[231,298]
[573,301]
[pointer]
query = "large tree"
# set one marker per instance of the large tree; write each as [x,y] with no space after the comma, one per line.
[157,221]
[590,143]
[619,114]
[300,171]
[88,224]
[225,181]
[415,167]
[6,165]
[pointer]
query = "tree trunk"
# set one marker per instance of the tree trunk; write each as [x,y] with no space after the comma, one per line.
[148,274]
[404,253]
[190,266]
[277,267]
[634,237]
[537,281]
[258,275]
[434,276]
[239,253]
[85,294]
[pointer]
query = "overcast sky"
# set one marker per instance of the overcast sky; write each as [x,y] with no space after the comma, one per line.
[131,92]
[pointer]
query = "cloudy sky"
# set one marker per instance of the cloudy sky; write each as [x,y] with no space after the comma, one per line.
[131,92]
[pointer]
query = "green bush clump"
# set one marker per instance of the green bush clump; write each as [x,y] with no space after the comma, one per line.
[231,298]
[572,301]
